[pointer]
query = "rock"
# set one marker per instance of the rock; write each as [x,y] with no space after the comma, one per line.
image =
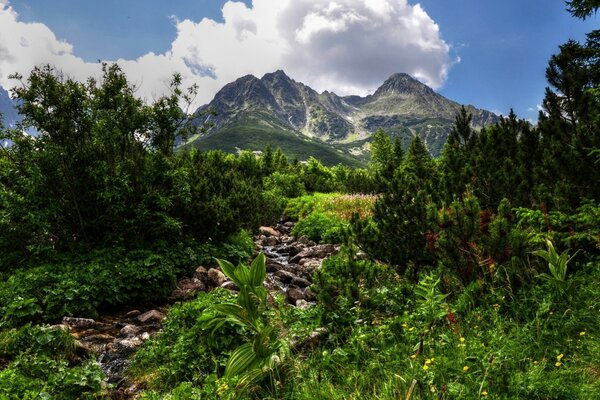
[130,343]
[151,316]
[361,255]
[311,266]
[145,336]
[201,274]
[289,224]
[294,294]
[301,282]
[268,231]
[191,285]
[79,323]
[133,313]
[285,276]
[129,330]
[272,265]
[230,286]
[303,239]
[319,251]
[311,243]
[295,248]
[60,327]
[215,277]
[303,304]
[271,241]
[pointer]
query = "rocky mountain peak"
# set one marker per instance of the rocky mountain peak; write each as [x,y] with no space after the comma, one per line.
[401,83]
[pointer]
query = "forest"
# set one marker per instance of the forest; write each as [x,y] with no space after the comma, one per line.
[471,275]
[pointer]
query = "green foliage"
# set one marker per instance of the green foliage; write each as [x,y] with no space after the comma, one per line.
[285,185]
[256,358]
[557,264]
[320,227]
[186,350]
[82,286]
[351,290]
[325,217]
[37,363]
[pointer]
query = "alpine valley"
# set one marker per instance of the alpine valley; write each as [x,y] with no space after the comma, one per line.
[251,113]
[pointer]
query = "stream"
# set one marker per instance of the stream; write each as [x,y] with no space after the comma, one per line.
[113,338]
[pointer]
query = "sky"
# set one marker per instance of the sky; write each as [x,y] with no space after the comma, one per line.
[491,54]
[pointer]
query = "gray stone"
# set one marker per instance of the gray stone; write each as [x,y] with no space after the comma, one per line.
[215,277]
[268,231]
[271,241]
[301,282]
[151,316]
[294,294]
[201,274]
[129,330]
[79,323]
[230,286]
[133,313]
[285,276]
[272,265]
[303,304]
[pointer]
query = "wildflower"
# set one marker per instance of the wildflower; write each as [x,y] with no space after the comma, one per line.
[559,357]
[496,306]
[484,393]
[582,333]
[535,362]
[462,339]
[558,364]
[428,361]
[404,325]
[432,389]
[465,368]
[222,388]
[413,356]
[425,367]
[412,328]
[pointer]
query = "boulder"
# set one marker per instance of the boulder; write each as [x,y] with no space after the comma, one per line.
[309,295]
[129,330]
[271,241]
[303,304]
[201,274]
[272,265]
[268,231]
[79,323]
[293,294]
[133,313]
[151,316]
[215,277]
[300,282]
[230,286]
[285,276]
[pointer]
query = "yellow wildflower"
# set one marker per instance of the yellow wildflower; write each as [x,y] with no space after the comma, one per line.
[425,367]
[558,363]
[462,339]
[428,361]
[412,328]
[559,357]
[404,325]
[465,368]
[413,356]
[582,333]
[484,393]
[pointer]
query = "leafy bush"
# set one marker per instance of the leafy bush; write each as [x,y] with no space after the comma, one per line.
[320,228]
[285,185]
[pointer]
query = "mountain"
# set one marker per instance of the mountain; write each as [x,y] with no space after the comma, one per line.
[7,109]
[252,112]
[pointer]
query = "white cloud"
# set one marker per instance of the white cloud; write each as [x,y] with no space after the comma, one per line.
[346,46]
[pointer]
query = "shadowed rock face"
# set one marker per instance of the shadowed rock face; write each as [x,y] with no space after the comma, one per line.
[402,105]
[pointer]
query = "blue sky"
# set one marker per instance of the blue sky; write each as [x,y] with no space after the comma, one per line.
[503,46]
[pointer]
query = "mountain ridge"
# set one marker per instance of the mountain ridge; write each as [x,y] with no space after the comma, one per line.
[402,105]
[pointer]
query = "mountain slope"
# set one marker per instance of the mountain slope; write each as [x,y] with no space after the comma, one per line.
[402,105]
[7,109]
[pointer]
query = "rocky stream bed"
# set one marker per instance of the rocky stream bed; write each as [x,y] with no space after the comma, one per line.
[114,337]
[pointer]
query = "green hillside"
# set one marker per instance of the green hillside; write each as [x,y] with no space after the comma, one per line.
[256,131]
